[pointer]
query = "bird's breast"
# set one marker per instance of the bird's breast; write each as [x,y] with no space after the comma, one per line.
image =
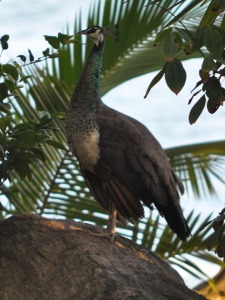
[87,150]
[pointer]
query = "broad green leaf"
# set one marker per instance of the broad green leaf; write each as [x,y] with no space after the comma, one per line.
[22,126]
[170,46]
[3,91]
[11,85]
[28,137]
[175,75]
[10,70]
[197,110]
[64,38]
[4,38]
[215,93]
[46,52]
[31,57]
[53,41]
[213,105]
[208,64]
[39,154]
[213,40]
[155,80]
[162,35]
[4,41]
[23,169]
[22,57]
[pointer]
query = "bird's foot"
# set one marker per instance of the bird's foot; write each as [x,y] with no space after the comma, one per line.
[109,235]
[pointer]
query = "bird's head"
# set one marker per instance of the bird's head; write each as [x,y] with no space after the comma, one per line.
[96,33]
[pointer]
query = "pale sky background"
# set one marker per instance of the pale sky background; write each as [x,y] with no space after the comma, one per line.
[165,114]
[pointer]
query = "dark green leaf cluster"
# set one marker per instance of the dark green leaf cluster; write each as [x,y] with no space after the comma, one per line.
[20,145]
[216,240]
[4,42]
[209,40]
[12,79]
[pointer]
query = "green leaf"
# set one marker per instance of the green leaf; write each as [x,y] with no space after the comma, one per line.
[4,42]
[16,144]
[213,41]
[212,105]
[170,46]
[10,70]
[23,169]
[53,41]
[184,35]
[22,57]
[59,115]
[175,75]
[64,38]
[4,123]
[162,35]
[208,64]
[4,38]
[39,154]
[214,91]
[28,137]
[155,80]
[46,52]
[31,57]
[197,110]
[10,84]
[3,91]
[21,126]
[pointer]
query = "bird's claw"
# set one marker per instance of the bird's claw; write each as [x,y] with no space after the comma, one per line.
[109,235]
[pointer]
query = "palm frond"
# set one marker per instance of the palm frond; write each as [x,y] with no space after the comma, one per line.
[57,187]
[197,164]
[134,54]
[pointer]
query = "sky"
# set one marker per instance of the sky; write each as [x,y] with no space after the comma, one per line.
[165,114]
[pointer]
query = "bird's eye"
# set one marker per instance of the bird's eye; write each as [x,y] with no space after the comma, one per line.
[92,30]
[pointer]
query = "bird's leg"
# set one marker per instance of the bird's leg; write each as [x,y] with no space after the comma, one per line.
[111,225]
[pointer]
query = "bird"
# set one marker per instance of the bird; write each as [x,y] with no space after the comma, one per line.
[123,164]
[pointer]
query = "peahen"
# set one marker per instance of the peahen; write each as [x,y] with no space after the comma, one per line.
[121,161]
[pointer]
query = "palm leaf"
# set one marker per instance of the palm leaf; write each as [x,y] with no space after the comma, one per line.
[57,187]
[134,54]
[198,164]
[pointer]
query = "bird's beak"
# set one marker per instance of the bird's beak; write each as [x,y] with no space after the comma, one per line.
[82,32]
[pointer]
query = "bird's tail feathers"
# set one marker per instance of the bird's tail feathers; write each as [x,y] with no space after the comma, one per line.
[128,205]
[175,219]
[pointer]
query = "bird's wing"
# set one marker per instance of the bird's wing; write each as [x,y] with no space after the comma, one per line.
[132,166]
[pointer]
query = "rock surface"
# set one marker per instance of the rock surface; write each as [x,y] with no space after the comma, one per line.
[60,259]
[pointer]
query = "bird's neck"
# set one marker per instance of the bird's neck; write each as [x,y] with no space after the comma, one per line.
[87,90]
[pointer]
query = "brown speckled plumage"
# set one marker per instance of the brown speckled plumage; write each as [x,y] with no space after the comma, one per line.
[122,162]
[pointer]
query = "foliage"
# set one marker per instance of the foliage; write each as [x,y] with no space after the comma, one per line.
[217,239]
[57,187]
[208,38]
[20,143]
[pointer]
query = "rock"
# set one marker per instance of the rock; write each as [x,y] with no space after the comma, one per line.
[60,259]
